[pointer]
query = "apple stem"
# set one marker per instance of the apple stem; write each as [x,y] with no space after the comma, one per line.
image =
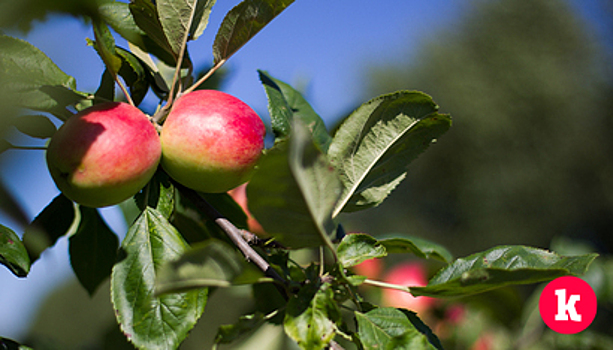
[387,285]
[125,91]
[206,76]
[235,234]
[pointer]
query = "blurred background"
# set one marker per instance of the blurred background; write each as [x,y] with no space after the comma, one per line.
[528,160]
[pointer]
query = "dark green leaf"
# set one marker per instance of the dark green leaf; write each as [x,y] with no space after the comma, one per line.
[355,248]
[51,224]
[13,253]
[38,126]
[293,192]
[134,73]
[209,264]
[229,333]
[119,16]
[5,145]
[10,206]
[93,250]
[499,267]
[29,79]
[159,194]
[242,23]
[390,328]
[146,17]
[105,46]
[106,88]
[311,316]
[374,146]
[418,246]
[285,104]
[148,321]
[8,344]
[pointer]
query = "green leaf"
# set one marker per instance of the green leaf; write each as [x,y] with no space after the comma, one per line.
[285,104]
[390,328]
[38,126]
[159,194]
[374,146]
[355,248]
[52,223]
[119,16]
[105,46]
[242,23]
[231,332]
[8,344]
[10,205]
[146,17]
[502,266]
[418,246]
[148,321]
[209,264]
[106,88]
[29,79]
[311,316]
[93,250]
[179,17]
[293,192]
[135,74]
[5,145]
[13,253]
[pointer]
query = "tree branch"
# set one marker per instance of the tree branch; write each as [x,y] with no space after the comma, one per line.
[234,233]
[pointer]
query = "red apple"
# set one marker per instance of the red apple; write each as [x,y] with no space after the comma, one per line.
[239,194]
[410,274]
[104,154]
[370,268]
[211,141]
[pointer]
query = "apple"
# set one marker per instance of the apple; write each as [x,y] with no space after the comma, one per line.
[211,141]
[104,154]
[410,274]
[371,268]
[239,194]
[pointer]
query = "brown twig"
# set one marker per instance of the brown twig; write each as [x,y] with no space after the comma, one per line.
[235,234]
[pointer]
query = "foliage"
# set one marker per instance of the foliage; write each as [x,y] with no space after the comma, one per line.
[183,245]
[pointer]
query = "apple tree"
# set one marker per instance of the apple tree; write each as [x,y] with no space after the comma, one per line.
[191,236]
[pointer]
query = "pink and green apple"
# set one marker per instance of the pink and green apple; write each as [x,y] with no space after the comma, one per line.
[104,155]
[211,141]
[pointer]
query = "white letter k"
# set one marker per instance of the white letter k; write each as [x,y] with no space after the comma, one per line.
[567,308]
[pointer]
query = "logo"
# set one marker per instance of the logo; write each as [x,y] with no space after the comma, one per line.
[568,305]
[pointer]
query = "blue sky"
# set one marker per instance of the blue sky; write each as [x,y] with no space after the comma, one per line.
[322,46]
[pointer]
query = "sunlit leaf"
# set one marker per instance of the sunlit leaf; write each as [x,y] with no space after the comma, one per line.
[93,250]
[13,253]
[148,321]
[355,248]
[502,266]
[293,192]
[242,23]
[285,104]
[179,17]
[374,146]
[29,79]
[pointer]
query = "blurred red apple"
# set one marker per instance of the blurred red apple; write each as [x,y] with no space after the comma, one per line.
[104,154]
[211,141]
[239,194]
[370,268]
[411,274]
